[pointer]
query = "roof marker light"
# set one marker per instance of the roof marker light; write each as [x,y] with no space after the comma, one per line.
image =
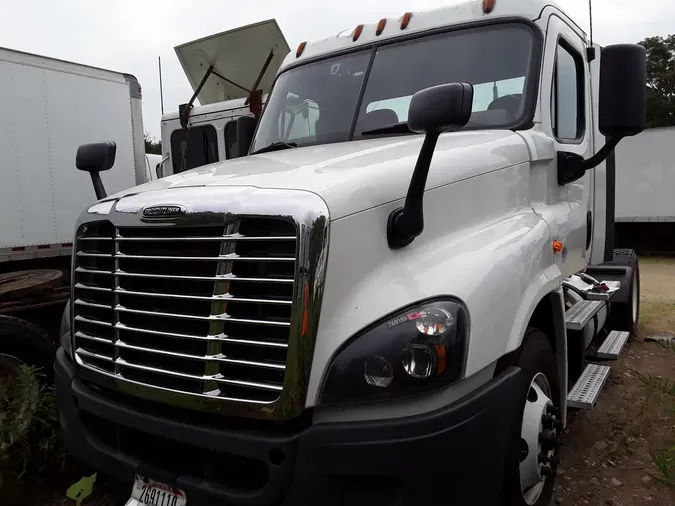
[380,26]
[357,33]
[488,5]
[405,20]
[301,49]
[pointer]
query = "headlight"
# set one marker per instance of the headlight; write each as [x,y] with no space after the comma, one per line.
[64,331]
[411,351]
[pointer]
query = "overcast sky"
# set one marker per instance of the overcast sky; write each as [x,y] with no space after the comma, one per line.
[129,35]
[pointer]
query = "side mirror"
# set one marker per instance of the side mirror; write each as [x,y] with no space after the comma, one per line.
[434,110]
[445,107]
[622,106]
[95,158]
[623,85]
[239,135]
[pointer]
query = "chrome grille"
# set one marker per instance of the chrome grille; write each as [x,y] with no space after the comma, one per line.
[200,310]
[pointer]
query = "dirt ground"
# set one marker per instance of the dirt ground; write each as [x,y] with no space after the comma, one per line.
[623,452]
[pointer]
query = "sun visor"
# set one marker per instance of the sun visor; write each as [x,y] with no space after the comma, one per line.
[238,57]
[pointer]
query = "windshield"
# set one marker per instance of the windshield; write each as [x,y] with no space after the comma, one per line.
[318,103]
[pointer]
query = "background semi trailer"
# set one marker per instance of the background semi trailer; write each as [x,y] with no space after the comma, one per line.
[50,107]
[645,185]
[396,297]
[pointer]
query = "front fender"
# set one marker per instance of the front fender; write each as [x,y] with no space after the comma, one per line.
[499,261]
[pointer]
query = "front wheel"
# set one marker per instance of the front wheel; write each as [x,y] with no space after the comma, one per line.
[533,450]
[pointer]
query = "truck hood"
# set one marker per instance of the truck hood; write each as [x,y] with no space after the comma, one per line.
[354,176]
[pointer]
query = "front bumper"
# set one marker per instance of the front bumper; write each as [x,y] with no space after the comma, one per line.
[452,456]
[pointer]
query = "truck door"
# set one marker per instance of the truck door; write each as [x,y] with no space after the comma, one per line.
[565,105]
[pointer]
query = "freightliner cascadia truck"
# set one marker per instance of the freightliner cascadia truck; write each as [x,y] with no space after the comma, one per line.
[393,293]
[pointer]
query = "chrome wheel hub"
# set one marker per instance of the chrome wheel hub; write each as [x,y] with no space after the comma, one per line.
[539,439]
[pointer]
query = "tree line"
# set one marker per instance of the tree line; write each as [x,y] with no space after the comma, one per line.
[660,80]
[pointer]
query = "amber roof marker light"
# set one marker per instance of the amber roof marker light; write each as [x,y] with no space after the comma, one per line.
[357,33]
[301,49]
[488,6]
[405,20]
[380,26]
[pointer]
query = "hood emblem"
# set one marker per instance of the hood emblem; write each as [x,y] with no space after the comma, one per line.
[163,211]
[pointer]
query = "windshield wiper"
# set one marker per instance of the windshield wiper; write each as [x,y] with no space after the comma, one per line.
[276,146]
[396,128]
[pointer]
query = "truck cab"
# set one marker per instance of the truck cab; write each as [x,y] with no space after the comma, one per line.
[397,296]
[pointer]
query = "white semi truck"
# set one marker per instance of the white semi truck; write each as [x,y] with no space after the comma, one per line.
[49,108]
[396,297]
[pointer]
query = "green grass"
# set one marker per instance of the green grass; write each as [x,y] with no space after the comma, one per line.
[663,385]
[30,441]
[664,460]
[657,260]
[652,312]
[666,345]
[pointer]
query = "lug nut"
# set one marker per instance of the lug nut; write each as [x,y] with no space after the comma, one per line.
[549,459]
[549,440]
[547,471]
[547,436]
[552,410]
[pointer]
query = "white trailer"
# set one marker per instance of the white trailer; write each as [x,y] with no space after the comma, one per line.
[50,107]
[645,177]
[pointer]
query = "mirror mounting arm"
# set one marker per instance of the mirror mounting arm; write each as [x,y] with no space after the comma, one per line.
[407,222]
[572,166]
[99,190]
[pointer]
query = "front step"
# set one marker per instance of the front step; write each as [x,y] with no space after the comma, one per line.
[587,389]
[581,313]
[611,347]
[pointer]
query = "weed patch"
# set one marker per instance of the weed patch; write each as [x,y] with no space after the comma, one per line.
[664,460]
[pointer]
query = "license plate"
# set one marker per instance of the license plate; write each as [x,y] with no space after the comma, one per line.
[147,492]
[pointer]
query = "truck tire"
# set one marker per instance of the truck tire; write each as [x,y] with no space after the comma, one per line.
[28,343]
[536,431]
[625,315]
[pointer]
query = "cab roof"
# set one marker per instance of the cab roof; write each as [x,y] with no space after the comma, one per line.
[457,12]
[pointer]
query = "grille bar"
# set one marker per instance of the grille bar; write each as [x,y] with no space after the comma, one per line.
[218,378]
[79,318]
[212,358]
[221,337]
[227,237]
[197,310]
[213,298]
[229,277]
[207,395]
[210,318]
[222,258]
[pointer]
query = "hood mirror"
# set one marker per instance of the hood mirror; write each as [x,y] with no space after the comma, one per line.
[432,111]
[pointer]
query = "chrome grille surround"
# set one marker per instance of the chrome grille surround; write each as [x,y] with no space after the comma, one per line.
[223,209]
